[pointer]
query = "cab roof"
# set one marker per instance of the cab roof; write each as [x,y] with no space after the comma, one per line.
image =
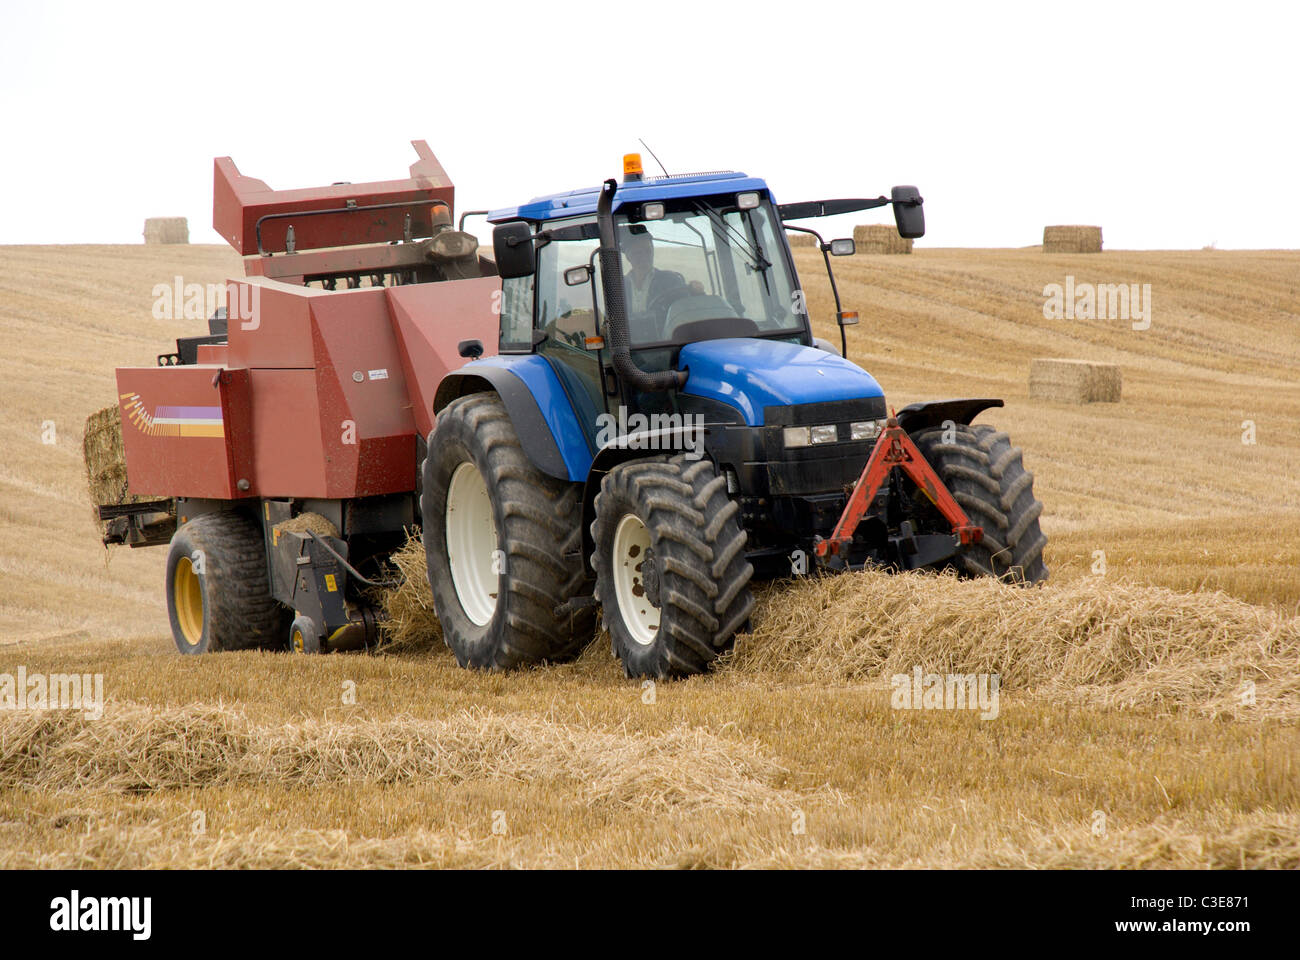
[576,202]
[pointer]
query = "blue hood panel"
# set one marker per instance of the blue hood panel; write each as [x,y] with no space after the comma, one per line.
[751,374]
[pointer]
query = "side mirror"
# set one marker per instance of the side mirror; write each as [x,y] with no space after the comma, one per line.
[512,245]
[842,248]
[577,276]
[908,213]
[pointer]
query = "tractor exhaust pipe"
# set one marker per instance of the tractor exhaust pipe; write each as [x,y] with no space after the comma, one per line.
[611,274]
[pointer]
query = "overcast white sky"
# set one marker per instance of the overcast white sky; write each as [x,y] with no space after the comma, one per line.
[1171,125]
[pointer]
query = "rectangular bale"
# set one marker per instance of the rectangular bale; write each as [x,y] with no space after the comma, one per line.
[880,238]
[1074,381]
[166,230]
[1071,239]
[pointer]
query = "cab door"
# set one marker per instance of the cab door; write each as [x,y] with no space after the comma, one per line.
[567,315]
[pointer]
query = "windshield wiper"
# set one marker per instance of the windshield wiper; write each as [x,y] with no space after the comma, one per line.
[756,259]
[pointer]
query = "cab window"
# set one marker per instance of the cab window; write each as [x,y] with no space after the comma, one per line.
[566,313]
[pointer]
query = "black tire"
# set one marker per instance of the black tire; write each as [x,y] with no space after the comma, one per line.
[695,572]
[985,474]
[218,589]
[538,521]
[304,635]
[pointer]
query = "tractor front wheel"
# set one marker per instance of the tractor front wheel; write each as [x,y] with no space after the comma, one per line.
[671,573]
[984,473]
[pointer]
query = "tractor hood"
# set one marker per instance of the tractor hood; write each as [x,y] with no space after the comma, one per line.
[751,374]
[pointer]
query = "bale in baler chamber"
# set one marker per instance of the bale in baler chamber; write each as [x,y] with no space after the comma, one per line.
[106,483]
[105,459]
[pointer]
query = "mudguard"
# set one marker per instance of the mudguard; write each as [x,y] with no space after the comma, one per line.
[539,408]
[919,416]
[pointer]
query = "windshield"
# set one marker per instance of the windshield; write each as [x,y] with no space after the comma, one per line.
[707,268]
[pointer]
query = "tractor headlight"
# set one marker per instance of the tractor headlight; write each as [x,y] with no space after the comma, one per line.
[825,434]
[795,437]
[864,430]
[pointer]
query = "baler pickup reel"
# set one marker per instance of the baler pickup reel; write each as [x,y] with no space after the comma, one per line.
[895,449]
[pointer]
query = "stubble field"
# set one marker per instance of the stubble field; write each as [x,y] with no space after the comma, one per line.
[1148,714]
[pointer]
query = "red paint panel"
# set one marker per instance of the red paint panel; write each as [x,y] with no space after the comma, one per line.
[363,396]
[430,320]
[270,324]
[287,449]
[166,458]
[235,389]
[385,465]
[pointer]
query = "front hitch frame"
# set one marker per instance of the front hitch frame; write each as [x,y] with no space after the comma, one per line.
[894,448]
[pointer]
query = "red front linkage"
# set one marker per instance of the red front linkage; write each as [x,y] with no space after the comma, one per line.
[894,448]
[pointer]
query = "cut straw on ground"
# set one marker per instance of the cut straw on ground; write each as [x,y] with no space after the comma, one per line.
[1107,643]
[1098,641]
[135,748]
[1252,841]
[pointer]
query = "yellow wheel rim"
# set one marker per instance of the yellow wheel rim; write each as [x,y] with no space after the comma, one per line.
[296,640]
[188,594]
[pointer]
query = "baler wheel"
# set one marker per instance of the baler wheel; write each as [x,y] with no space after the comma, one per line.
[304,636]
[671,573]
[502,542]
[218,593]
[985,474]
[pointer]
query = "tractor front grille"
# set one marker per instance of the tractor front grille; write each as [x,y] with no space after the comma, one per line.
[828,411]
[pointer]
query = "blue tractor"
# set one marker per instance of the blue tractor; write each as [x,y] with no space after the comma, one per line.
[659,426]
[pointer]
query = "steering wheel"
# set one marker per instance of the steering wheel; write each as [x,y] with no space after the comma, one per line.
[664,299]
[658,307]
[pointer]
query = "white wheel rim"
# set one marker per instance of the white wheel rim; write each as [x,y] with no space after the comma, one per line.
[631,543]
[471,543]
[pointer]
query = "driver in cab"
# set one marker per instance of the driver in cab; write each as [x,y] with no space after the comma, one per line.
[649,291]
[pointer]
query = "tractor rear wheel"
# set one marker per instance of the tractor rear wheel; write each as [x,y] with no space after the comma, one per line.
[984,473]
[671,573]
[218,591]
[503,542]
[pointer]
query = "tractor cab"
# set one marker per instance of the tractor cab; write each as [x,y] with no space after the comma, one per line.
[642,295]
[611,297]
[700,256]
